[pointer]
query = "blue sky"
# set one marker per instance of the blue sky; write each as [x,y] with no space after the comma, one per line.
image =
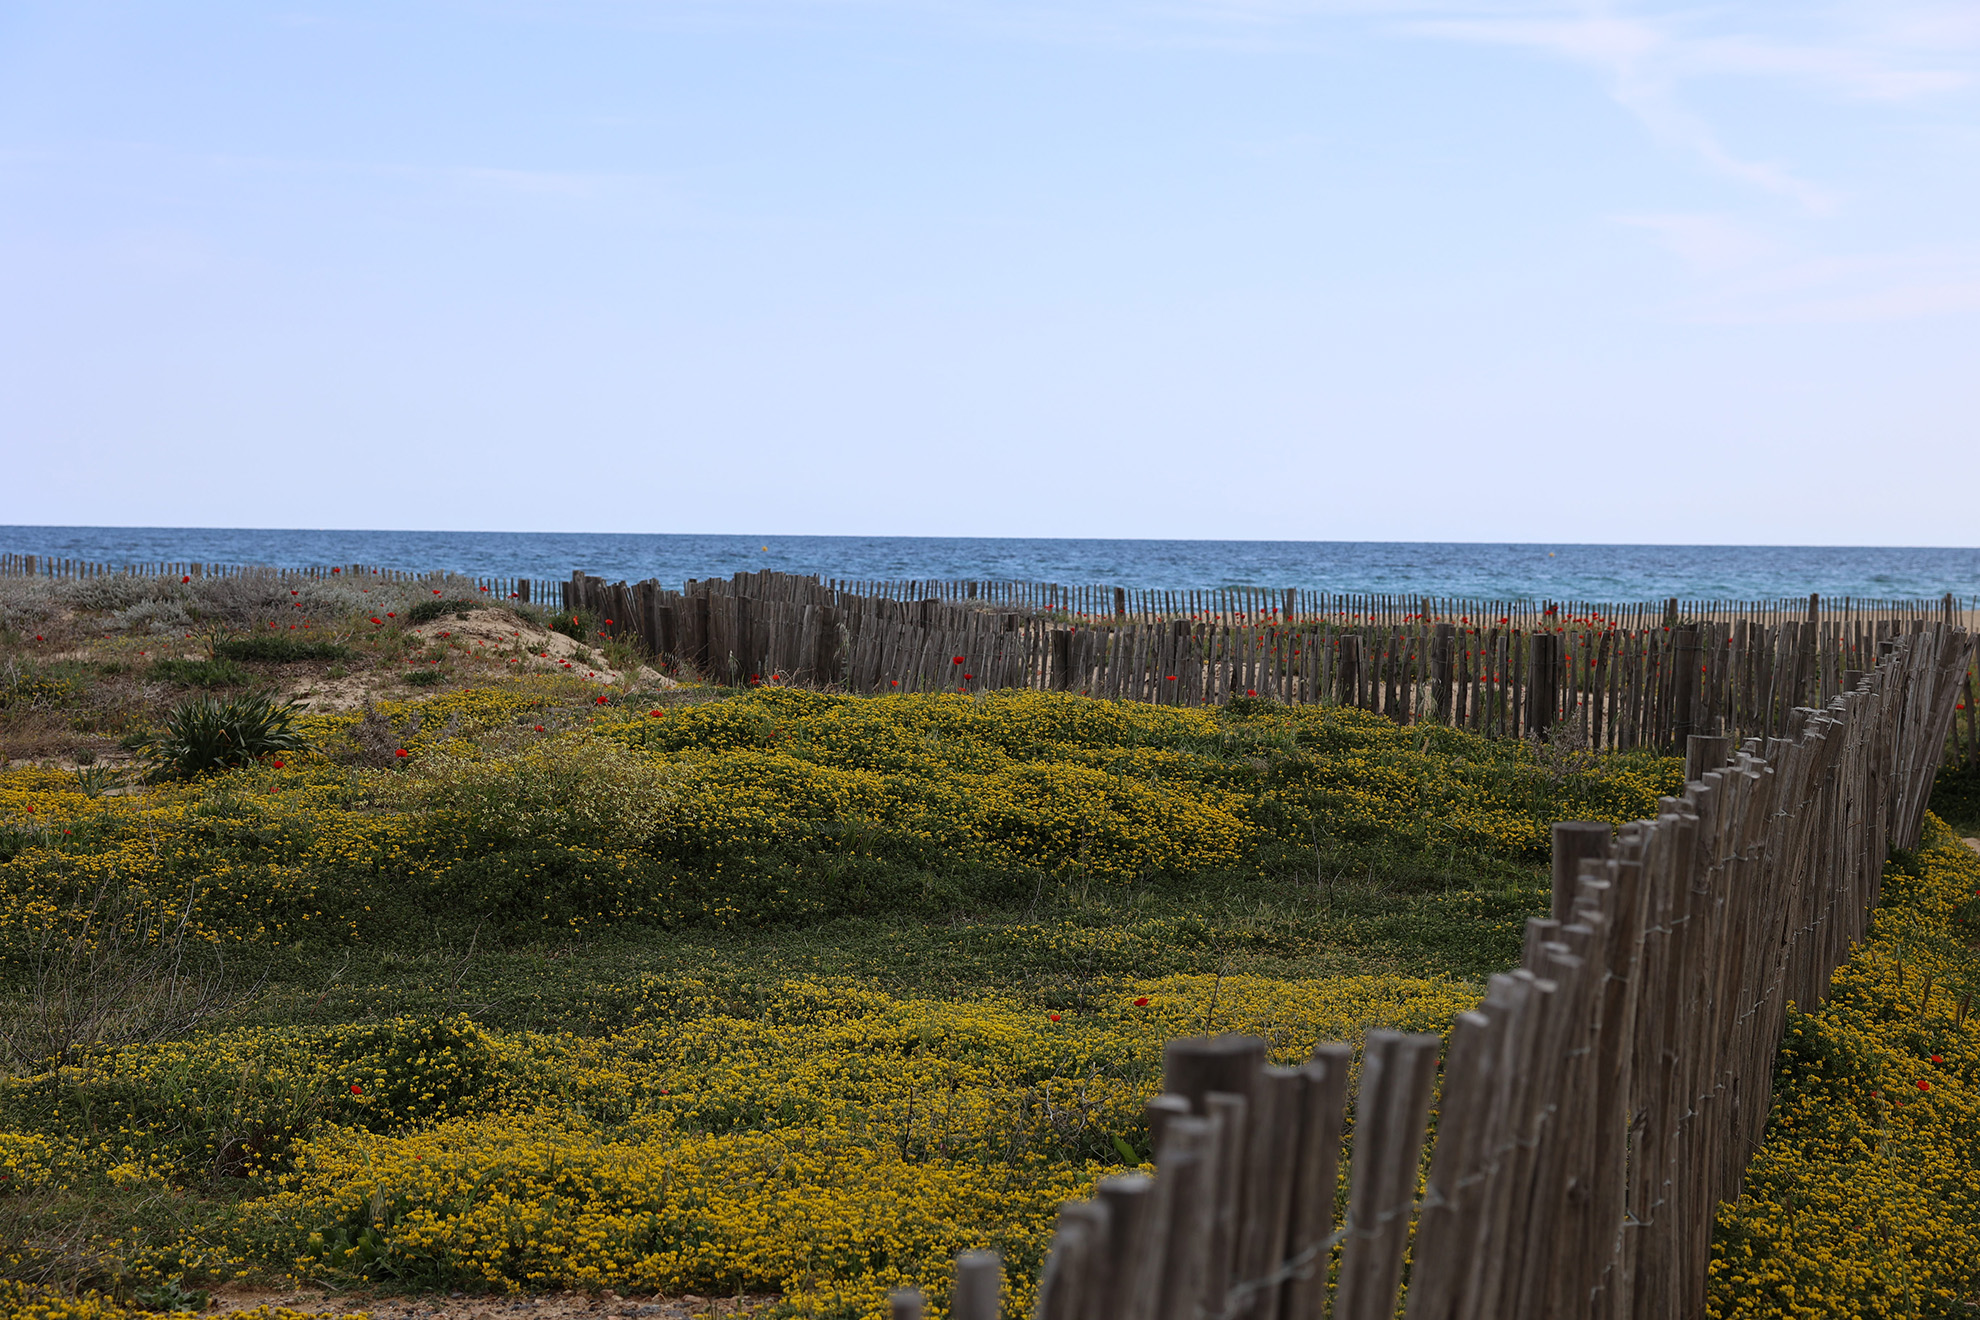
[1444,271]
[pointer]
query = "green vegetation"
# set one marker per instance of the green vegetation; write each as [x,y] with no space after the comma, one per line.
[1956,798]
[579,625]
[1865,1198]
[429,610]
[205,735]
[278,648]
[200,673]
[767,990]
[24,687]
[465,906]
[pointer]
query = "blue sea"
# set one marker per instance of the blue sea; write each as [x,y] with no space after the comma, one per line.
[1490,570]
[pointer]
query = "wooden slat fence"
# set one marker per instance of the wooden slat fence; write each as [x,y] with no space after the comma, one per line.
[1094,604]
[536,590]
[1594,1109]
[1608,676]
[1098,603]
[1599,684]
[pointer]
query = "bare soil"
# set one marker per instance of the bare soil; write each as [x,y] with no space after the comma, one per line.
[475,642]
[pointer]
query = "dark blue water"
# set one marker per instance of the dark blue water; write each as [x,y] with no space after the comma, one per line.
[1492,570]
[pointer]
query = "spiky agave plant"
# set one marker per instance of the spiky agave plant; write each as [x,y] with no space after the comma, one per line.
[204,734]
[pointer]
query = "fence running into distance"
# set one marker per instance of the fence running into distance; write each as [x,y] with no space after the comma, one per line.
[1613,676]
[1096,603]
[1596,1106]
[527,590]
[1613,686]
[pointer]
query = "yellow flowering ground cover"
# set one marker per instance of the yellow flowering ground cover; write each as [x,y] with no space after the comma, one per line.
[511,988]
[1866,1196]
[827,1141]
[1865,1199]
[503,805]
[24,1302]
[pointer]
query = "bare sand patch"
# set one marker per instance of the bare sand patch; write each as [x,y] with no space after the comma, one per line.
[478,643]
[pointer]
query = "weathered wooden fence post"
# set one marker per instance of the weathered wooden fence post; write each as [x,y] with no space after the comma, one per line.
[1391,1106]
[1348,671]
[979,1286]
[1543,682]
[1440,670]
[1684,691]
[1704,752]
[1575,842]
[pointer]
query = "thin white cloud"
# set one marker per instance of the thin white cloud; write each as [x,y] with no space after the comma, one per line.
[1646,52]
[1707,244]
[1645,57]
[1741,273]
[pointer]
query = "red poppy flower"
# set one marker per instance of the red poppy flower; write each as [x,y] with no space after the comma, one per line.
[336,570]
[402,752]
[1937,1059]
[356,1089]
[1141,1002]
[1053,1016]
[186,578]
[601,701]
[390,615]
[279,765]
[539,728]
[1251,692]
[958,659]
[375,619]
[436,591]
[654,713]
[969,675]
[1922,1084]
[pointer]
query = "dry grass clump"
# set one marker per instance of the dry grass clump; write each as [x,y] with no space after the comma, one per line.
[120,972]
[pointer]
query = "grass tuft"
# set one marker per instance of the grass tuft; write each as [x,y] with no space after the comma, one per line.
[278,648]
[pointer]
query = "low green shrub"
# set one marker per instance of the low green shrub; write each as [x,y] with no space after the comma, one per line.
[200,673]
[578,625]
[1956,798]
[429,610]
[278,648]
[424,677]
[22,687]
[204,735]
